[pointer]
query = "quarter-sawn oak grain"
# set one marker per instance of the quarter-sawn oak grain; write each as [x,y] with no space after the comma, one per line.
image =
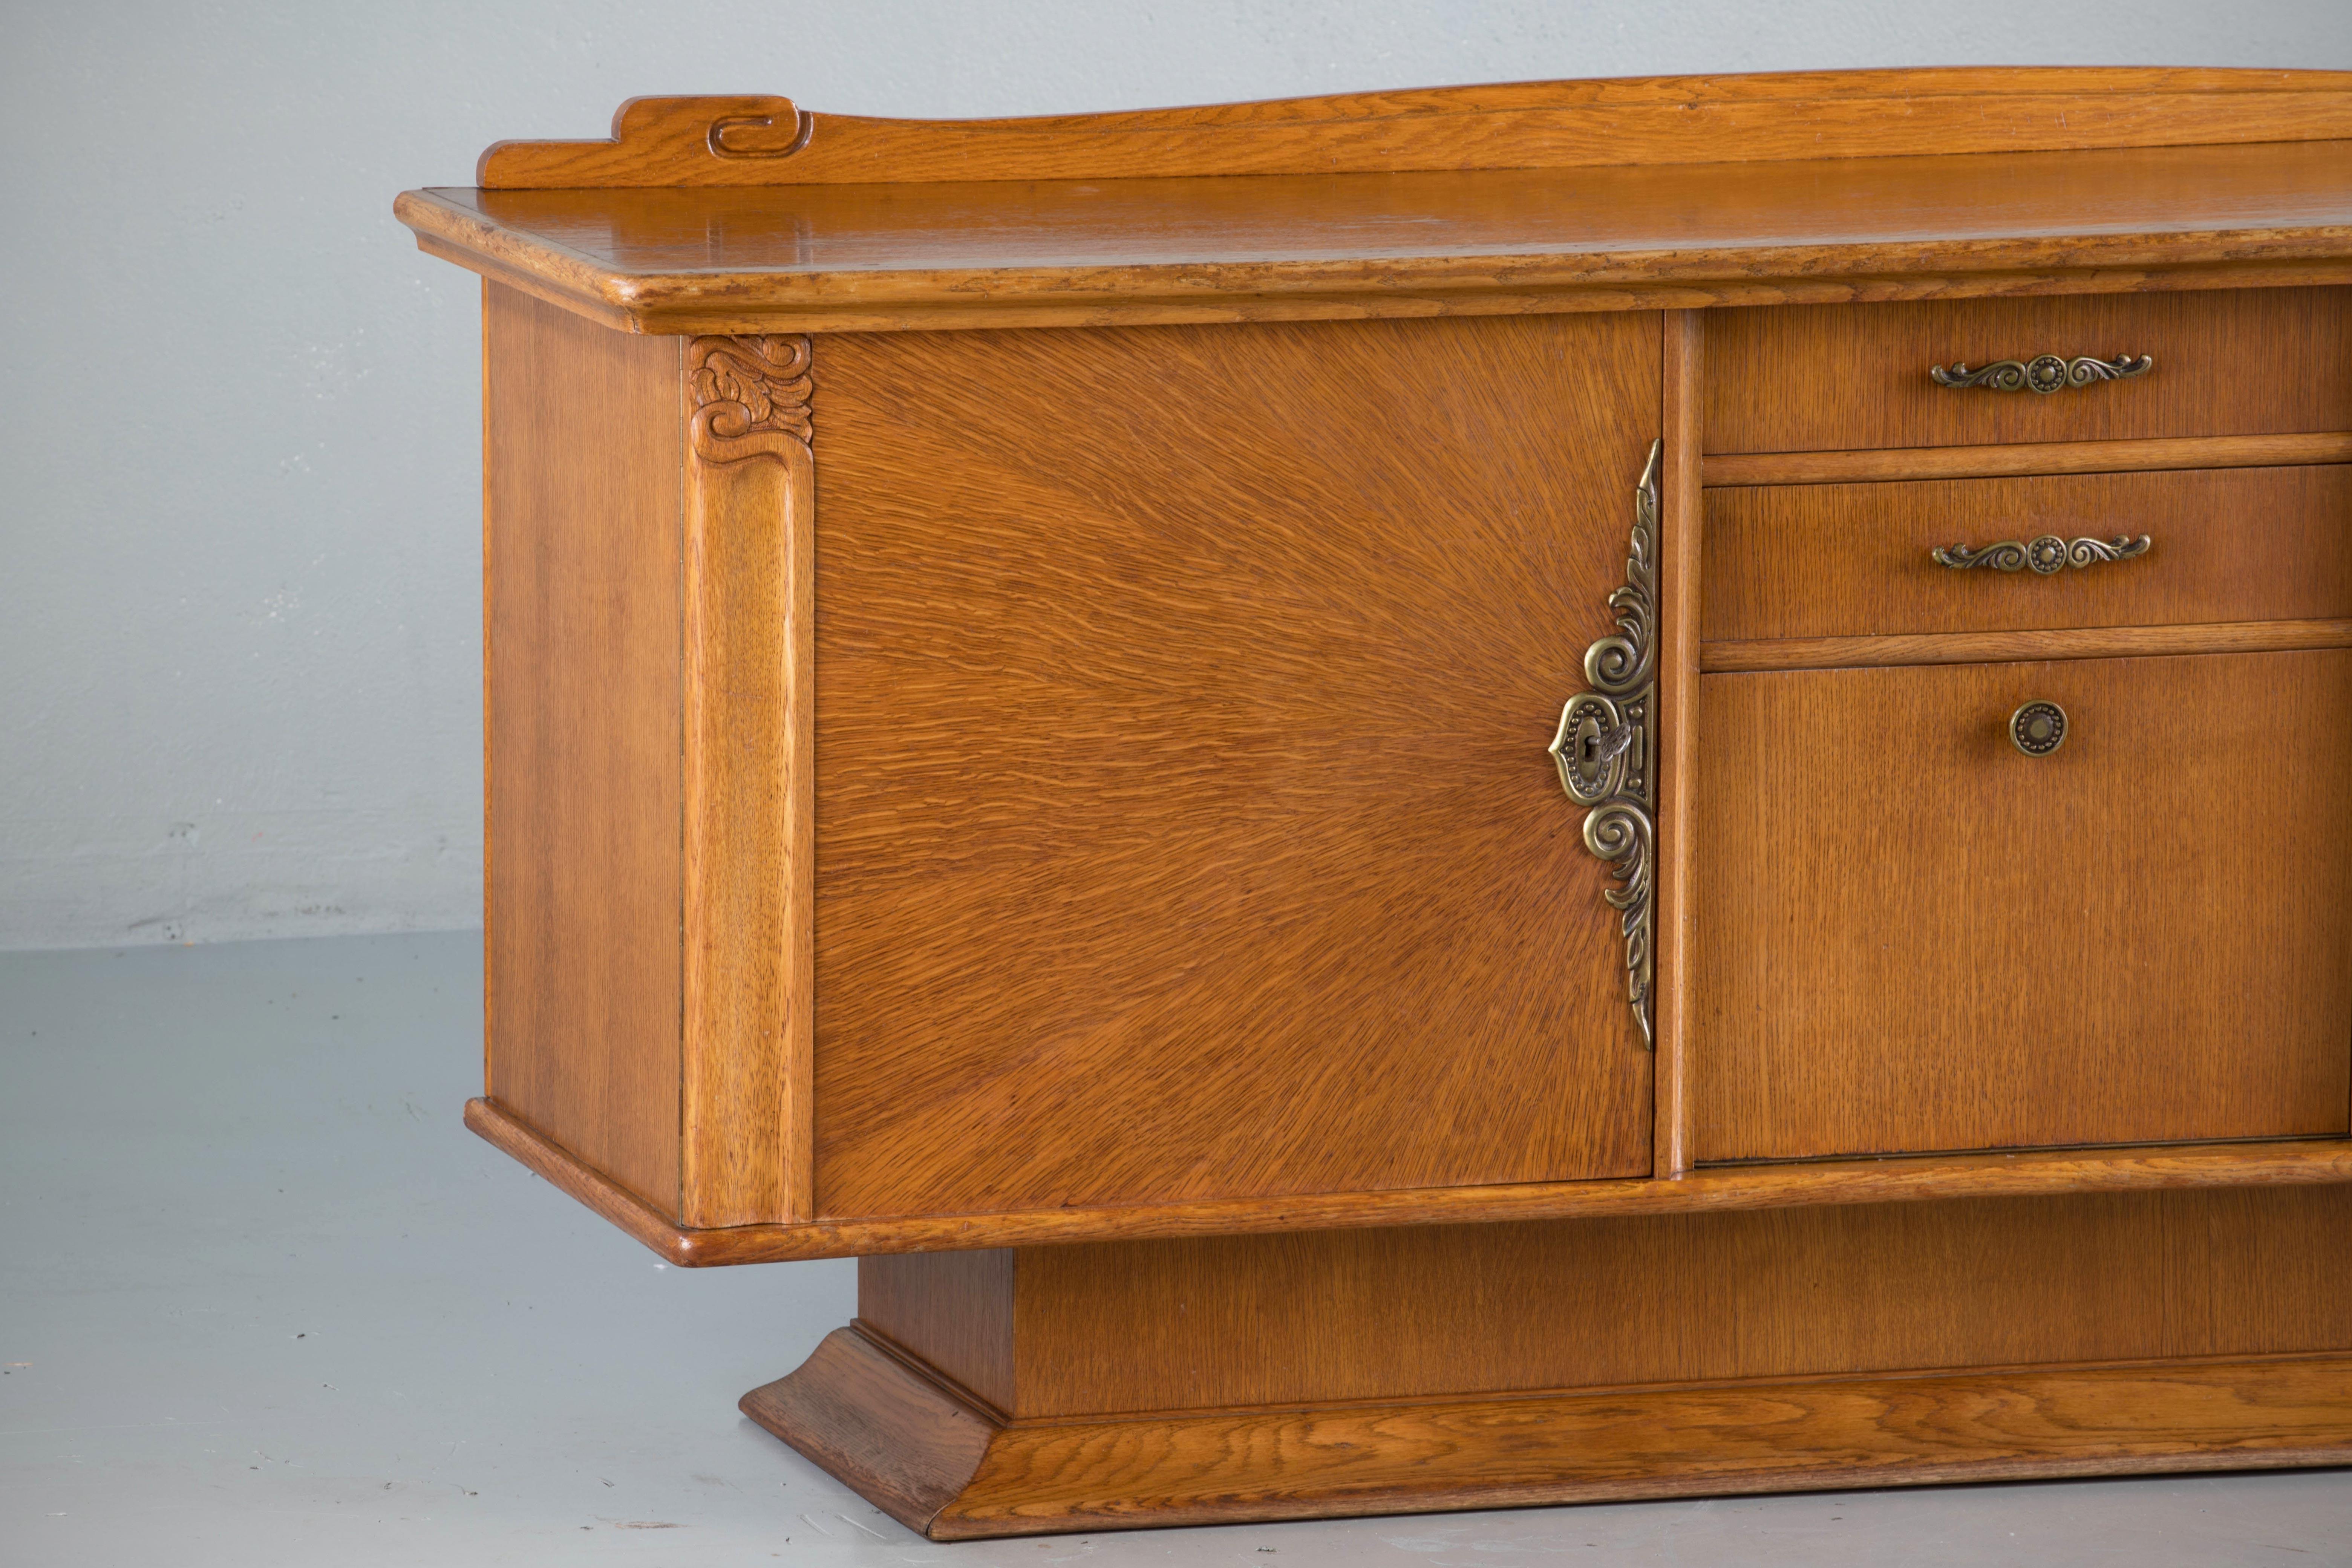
[762,140]
[2242,362]
[1470,1365]
[1872,464]
[1837,560]
[1981,648]
[1720,1189]
[582,617]
[1503,241]
[1184,828]
[1914,937]
[1122,822]
[748,1021]
[1681,552]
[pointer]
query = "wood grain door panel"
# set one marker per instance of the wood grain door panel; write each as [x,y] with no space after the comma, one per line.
[1912,937]
[1184,826]
[2237,362]
[2228,544]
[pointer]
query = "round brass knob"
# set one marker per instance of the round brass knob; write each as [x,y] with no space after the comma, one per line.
[2038,728]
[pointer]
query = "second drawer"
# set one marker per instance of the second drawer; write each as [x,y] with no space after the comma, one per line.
[1818,561]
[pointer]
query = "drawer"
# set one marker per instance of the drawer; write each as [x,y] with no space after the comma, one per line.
[1823,560]
[1912,937]
[1800,378]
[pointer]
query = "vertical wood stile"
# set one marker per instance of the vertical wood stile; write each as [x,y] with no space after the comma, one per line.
[749,565]
[489,846]
[1680,517]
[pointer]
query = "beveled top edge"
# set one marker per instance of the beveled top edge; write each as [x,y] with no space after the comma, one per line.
[1160,252]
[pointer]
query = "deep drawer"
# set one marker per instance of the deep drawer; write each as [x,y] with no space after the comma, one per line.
[1911,936]
[1820,561]
[1797,378]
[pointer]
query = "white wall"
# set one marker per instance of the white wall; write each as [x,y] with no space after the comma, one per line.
[239,467]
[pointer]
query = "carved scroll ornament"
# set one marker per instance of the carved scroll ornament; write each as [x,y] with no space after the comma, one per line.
[751,397]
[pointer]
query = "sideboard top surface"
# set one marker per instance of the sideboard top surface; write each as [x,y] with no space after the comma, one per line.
[1487,200]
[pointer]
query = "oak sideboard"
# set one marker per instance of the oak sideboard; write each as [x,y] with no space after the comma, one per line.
[1438,799]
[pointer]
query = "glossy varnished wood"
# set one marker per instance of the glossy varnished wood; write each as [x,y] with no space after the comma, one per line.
[2228,363]
[1856,560]
[1494,1364]
[953,1312]
[1184,824]
[1500,241]
[747,844]
[584,450]
[1912,937]
[1810,1184]
[2248,362]
[758,140]
[909,1445]
[1680,553]
[1874,464]
[1982,647]
[1432,1456]
[1122,822]
[1431,1312]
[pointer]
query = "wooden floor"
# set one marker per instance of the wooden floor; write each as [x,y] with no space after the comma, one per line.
[278,1307]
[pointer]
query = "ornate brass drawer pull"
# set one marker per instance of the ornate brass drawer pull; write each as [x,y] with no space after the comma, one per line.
[2043,374]
[1602,745]
[2043,556]
[2037,728]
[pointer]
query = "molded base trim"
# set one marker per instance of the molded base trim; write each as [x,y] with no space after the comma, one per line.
[945,1467]
[2319,1161]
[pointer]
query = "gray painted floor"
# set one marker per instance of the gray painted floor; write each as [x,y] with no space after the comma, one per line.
[263,1300]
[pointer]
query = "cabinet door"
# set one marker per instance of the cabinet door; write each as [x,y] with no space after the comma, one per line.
[1914,936]
[1184,827]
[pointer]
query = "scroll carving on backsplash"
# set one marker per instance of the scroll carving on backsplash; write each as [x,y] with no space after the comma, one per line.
[2043,374]
[751,394]
[2043,556]
[1604,746]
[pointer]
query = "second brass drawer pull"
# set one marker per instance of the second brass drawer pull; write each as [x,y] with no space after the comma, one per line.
[2043,374]
[2045,555]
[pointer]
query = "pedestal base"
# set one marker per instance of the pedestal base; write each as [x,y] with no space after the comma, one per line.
[1217,1381]
[951,1471]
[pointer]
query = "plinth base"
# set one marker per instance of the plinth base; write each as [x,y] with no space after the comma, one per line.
[942,1467]
[1365,1372]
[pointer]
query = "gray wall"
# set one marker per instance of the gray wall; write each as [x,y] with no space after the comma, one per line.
[239,467]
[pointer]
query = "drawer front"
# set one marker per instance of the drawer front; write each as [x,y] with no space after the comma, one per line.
[1822,561]
[1800,378]
[1912,937]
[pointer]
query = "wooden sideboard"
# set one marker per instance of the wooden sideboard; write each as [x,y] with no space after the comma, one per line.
[1439,799]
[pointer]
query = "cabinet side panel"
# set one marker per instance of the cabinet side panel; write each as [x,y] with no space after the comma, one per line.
[952,1309]
[584,444]
[1467,1310]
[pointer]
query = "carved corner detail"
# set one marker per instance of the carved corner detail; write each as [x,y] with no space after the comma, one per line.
[1603,745]
[751,397]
